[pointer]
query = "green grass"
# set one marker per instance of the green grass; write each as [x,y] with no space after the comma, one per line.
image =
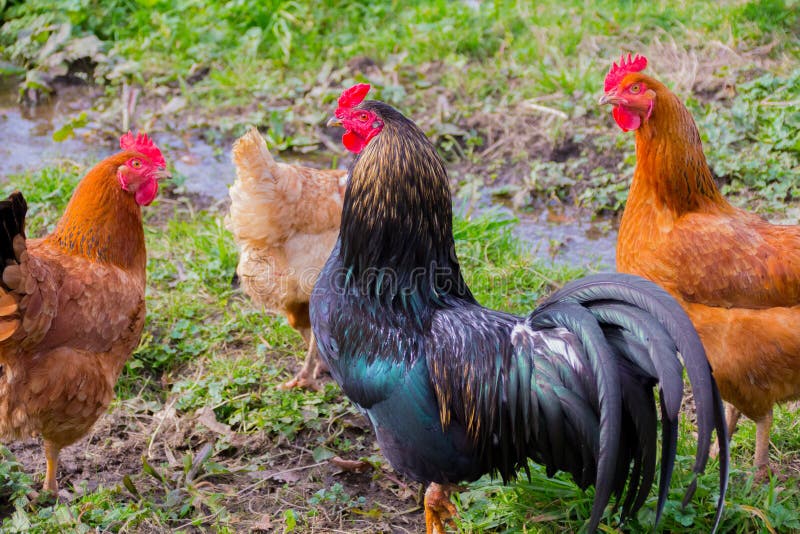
[520,79]
[508,93]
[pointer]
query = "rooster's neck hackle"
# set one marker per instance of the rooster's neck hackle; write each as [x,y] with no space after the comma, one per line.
[670,162]
[397,228]
[102,221]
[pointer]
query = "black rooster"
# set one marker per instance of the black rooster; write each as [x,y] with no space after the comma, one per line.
[455,390]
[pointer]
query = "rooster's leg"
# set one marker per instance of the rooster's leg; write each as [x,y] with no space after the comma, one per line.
[763,427]
[51,451]
[306,377]
[438,508]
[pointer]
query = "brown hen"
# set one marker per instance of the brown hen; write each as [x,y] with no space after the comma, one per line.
[285,219]
[72,304]
[737,275]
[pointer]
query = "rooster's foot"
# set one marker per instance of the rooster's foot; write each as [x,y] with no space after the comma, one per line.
[438,508]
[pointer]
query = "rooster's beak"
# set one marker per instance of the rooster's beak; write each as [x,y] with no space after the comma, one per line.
[611,98]
[334,122]
[163,174]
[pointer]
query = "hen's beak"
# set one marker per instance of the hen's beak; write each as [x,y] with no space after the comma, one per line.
[612,98]
[334,122]
[163,174]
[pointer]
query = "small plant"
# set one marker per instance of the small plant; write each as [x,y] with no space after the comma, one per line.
[15,484]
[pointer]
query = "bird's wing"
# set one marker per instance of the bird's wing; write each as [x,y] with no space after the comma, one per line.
[740,261]
[28,298]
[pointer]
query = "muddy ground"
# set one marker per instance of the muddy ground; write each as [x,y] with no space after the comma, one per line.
[261,476]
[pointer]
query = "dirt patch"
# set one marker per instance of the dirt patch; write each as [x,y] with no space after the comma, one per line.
[252,478]
[110,451]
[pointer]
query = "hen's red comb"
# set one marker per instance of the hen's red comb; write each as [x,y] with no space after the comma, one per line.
[626,66]
[142,144]
[354,96]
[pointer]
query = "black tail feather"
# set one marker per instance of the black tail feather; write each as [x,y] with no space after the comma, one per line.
[12,224]
[579,321]
[597,293]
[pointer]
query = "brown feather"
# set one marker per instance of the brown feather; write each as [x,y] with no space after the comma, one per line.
[7,328]
[12,277]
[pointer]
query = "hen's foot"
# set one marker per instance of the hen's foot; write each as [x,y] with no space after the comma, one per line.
[763,426]
[713,451]
[438,508]
[302,381]
[51,451]
[763,472]
[321,368]
[732,415]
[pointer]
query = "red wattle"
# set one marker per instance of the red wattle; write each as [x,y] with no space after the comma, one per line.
[625,119]
[146,192]
[353,142]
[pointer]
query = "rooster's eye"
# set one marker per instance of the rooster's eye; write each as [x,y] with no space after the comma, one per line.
[136,164]
[635,88]
[363,116]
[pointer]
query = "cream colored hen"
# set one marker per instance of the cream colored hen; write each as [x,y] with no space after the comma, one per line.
[285,219]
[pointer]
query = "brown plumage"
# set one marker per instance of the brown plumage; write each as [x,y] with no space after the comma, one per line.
[285,219]
[72,308]
[737,275]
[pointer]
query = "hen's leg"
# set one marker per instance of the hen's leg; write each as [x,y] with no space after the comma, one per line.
[321,366]
[763,427]
[438,508]
[51,451]
[732,415]
[306,377]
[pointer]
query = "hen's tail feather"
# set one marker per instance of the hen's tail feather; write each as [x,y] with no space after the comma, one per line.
[252,159]
[12,220]
[12,245]
[599,289]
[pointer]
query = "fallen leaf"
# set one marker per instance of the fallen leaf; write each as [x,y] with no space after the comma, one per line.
[264,525]
[357,466]
[208,418]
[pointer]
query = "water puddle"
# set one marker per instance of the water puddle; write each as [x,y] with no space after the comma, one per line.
[570,238]
[558,235]
[566,235]
[26,133]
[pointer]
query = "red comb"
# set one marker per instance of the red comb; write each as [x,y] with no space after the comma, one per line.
[142,144]
[626,66]
[354,96]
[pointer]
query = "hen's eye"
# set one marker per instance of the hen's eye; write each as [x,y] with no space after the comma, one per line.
[136,164]
[635,88]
